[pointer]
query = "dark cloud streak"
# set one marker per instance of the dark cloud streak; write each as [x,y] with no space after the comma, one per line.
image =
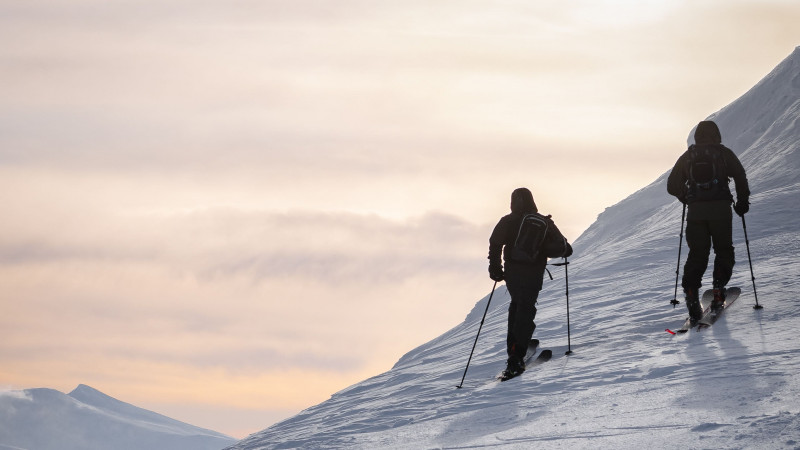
[328,248]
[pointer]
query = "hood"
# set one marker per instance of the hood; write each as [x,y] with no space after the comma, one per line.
[707,132]
[522,202]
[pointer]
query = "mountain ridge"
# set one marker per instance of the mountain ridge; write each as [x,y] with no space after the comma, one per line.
[87,419]
[128,412]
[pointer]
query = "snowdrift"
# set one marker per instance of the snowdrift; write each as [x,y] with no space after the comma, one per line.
[628,384]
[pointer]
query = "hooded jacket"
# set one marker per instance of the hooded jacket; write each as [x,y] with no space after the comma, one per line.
[505,234]
[708,138]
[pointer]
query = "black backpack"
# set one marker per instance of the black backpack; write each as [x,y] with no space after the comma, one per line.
[706,179]
[530,238]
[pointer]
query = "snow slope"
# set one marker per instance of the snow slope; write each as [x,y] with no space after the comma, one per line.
[85,419]
[628,383]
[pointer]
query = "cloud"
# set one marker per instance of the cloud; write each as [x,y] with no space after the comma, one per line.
[387,103]
[219,287]
[224,242]
[16,394]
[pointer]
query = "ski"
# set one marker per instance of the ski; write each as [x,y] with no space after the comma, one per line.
[709,316]
[731,294]
[543,356]
[689,324]
[532,346]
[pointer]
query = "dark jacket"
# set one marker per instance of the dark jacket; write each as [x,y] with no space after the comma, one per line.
[505,234]
[707,137]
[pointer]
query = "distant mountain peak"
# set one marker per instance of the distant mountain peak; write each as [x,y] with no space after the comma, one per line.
[88,419]
[84,392]
[83,387]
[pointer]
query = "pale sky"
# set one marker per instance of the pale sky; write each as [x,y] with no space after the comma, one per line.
[226,211]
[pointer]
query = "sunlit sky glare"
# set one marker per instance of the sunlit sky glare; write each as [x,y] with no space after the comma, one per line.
[228,211]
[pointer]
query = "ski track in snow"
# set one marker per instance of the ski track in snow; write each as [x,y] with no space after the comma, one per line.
[628,384]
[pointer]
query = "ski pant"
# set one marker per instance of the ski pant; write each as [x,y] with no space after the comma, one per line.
[524,287]
[700,234]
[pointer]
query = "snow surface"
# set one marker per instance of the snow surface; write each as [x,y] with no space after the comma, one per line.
[87,419]
[628,384]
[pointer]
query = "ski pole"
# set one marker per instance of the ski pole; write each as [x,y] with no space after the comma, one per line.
[566,280]
[678,268]
[476,336]
[753,277]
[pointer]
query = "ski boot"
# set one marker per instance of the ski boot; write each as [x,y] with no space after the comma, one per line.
[693,304]
[514,367]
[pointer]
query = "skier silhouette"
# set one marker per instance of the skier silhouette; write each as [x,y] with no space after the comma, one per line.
[523,277]
[700,180]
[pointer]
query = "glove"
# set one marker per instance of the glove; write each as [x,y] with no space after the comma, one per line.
[741,207]
[684,195]
[568,251]
[496,273]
